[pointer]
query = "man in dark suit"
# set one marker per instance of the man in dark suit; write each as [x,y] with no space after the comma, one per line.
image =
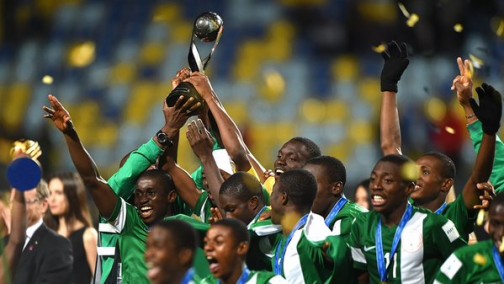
[47,256]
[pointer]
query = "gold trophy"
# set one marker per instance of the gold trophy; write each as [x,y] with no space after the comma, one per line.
[24,173]
[25,146]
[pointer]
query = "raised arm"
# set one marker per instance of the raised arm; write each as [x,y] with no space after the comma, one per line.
[229,132]
[201,142]
[463,84]
[102,194]
[396,61]
[489,112]
[17,236]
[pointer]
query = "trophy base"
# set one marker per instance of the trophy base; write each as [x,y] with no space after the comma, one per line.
[188,91]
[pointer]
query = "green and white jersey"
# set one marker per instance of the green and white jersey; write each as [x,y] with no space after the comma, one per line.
[426,241]
[342,224]
[304,260]
[133,233]
[462,218]
[203,206]
[470,264]
[254,277]
[263,236]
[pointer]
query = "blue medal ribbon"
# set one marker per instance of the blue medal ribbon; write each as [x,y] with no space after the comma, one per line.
[441,209]
[258,215]
[189,277]
[380,258]
[280,251]
[335,211]
[244,277]
[498,263]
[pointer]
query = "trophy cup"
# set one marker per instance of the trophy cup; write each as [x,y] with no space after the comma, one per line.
[207,28]
[24,173]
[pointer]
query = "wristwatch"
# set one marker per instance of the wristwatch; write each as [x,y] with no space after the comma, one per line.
[163,139]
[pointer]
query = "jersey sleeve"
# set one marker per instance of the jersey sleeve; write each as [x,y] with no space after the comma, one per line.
[122,214]
[497,176]
[462,218]
[452,271]
[203,206]
[123,181]
[355,245]
[446,236]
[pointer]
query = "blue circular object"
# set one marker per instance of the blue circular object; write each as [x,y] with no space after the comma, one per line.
[24,174]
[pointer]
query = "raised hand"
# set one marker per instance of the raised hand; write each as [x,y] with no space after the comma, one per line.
[181,76]
[486,196]
[489,110]
[176,116]
[59,115]
[200,139]
[216,215]
[202,84]
[463,83]
[396,61]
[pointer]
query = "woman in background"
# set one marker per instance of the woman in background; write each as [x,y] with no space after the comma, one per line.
[69,216]
[362,196]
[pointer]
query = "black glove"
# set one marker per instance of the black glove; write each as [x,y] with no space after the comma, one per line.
[396,61]
[489,110]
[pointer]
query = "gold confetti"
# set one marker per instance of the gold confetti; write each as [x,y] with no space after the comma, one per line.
[458,28]
[413,20]
[47,79]
[481,217]
[410,172]
[477,62]
[480,259]
[289,221]
[500,29]
[501,247]
[380,48]
[449,130]
[403,10]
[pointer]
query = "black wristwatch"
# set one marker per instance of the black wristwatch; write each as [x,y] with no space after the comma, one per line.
[163,139]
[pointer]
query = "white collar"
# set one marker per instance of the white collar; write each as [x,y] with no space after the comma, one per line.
[31,230]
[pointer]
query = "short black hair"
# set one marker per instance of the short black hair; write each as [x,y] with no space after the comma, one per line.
[183,235]
[448,165]
[243,186]
[498,200]
[334,168]
[300,186]
[312,148]
[398,160]
[165,179]
[238,229]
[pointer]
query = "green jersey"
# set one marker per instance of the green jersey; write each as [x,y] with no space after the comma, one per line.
[304,260]
[497,176]
[462,218]
[342,224]
[426,241]
[263,236]
[123,185]
[252,277]
[470,264]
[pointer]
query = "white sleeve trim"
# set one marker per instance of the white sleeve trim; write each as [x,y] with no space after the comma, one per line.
[120,220]
[358,255]
[106,251]
[107,228]
[336,231]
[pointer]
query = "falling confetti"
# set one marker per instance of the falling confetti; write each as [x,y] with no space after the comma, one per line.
[501,247]
[47,79]
[413,20]
[403,10]
[458,28]
[450,130]
[477,62]
[410,171]
[480,259]
[380,48]
[481,217]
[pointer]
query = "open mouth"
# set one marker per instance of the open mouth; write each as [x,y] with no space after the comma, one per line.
[377,200]
[279,172]
[153,271]
[146,211]
[213,264]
